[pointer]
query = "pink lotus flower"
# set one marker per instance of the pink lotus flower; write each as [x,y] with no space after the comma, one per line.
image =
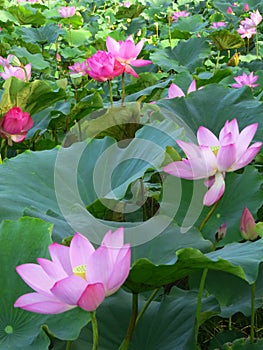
[18,72]
[79,67]
[126,52]
[103,66]
[77,275]
[245,79]
[67,11]
[212,158]
[217,25]
[175,91]
[179,14]
[15,124]
[248,226]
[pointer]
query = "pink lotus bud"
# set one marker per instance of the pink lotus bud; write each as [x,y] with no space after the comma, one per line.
[246,7]
[221,232]
[247,226]
[15,124]
[58,57]
[229,10]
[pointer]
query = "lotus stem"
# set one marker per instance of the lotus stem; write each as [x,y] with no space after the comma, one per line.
[125,344]
[94,330]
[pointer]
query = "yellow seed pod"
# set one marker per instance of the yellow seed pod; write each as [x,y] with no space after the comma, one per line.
[234,60]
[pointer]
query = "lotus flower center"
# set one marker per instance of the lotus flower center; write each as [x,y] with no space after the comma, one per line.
[80,271]
[215,149]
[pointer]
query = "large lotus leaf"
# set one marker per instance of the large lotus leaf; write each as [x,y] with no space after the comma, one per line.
[27,95]
[23,241]
[225,40]
[247,193]
[82,173]
[242,190]
[166,325]
[239,259]
[235,296]
[7,16]
[212,106]
[45,34]
[191,24]
[25,15]
[244,344]
[36,59]
[187,55]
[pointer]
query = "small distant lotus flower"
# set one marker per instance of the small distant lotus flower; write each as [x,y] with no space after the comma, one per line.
[245,79]
[79,67]
[67,11]
[248,226]
[213,157]
[15,124]
[246,7]
[126,52]
[179,14]
[175,91]
[18,72]
[217,25]
[77,275]
[126,4]
[103,66]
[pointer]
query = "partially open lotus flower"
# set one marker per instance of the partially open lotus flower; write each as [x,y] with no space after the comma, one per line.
[15,124]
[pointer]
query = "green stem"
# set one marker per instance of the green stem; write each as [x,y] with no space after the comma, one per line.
[70,34]
[252,329]
[257,43]
[125,344]
[169,31]
[247,45]
[68,345]
[208,215]
[146,305]
[94,330]
[217,59]
[111,96]
[123,89]
[199,304]
[230,323]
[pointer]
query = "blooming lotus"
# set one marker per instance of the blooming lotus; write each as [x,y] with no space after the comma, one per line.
[256,17]
[217,25]
[245,79]
[79,67]
[246,31]
[18,72]
[15,124]
[126,52]
[103,66]
[175,91]
[77,275]
[248,226]
[179,14]
[67,11]
[213,157]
